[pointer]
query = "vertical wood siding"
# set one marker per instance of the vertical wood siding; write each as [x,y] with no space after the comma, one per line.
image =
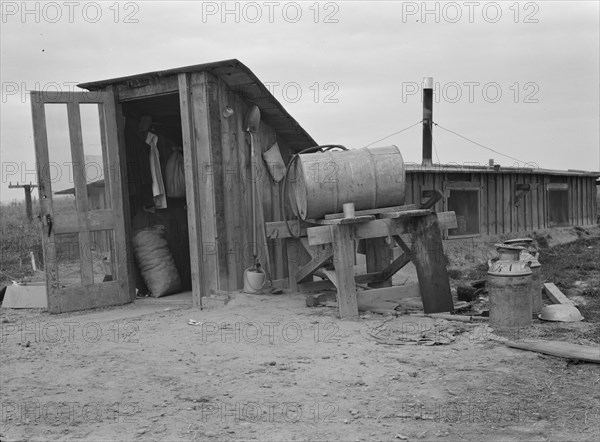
[498,213]
[234,195]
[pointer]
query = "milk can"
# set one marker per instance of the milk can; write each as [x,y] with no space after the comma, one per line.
[531,254]
[509,288]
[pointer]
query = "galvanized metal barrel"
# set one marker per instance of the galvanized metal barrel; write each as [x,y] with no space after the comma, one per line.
[370,178]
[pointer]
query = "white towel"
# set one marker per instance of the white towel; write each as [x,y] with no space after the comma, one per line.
[158,187]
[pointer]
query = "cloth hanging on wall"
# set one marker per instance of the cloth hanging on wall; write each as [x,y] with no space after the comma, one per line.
[175,174]
[158,187]
[274,162]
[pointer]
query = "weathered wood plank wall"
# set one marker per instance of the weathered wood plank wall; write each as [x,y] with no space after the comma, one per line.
[233,191]
[498,213]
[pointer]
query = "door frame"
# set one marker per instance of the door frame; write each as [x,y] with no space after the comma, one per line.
[199,183]
[200,140]
[194,114]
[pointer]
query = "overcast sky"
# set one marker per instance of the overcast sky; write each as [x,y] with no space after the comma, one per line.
[520,78]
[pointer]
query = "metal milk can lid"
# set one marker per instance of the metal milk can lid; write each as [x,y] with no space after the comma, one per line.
[519,241]
[509,262]
[529,254]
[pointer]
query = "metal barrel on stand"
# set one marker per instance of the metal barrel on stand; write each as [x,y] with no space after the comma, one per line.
[369,177]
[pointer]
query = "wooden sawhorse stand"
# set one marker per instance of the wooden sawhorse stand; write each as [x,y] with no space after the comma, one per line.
[338,236]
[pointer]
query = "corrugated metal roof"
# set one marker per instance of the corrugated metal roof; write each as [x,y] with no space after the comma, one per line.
[243,81]
[468,168]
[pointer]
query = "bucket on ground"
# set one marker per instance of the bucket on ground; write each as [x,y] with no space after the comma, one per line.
[254,280]
[369,177]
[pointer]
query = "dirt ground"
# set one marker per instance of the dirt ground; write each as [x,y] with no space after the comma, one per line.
[266,367]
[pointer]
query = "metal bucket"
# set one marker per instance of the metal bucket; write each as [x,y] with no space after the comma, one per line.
[509,288]
[254,281]
[370,178]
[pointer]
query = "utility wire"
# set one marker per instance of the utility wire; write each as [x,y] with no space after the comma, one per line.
[395,133]
[481,145]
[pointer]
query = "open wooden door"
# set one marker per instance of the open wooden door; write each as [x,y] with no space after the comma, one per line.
[83,228]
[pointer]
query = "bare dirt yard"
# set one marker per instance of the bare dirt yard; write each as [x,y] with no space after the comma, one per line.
[266,367]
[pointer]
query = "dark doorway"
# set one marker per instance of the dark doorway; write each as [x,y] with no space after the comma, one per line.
[163,113]
[465,203]
[558,207]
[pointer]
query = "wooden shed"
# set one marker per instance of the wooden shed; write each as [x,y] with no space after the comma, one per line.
[201,108]
[495,200]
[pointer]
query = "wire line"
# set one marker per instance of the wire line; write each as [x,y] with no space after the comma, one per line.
[481,145]
[395,133]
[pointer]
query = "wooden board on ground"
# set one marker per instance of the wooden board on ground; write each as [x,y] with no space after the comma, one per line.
[393,294]
[449,317]
[555,295]
[561,349]
[381,307]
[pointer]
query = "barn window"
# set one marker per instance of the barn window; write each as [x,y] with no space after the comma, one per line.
[463,198]
[558,204]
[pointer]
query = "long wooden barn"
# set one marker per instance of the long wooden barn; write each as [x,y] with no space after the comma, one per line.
[497,200]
